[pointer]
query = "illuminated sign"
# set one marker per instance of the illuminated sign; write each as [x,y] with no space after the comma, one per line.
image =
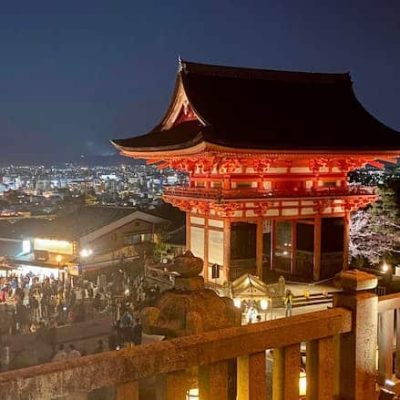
[53,246]
[26,246]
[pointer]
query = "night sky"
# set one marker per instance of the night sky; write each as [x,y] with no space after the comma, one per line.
[74,74]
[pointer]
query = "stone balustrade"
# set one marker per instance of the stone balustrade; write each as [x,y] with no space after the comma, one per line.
[340,344]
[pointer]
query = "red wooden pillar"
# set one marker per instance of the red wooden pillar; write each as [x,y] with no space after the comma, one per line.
[205,265]
[259,247]
[346,240]
[293,253]
[273,242]
[188,244]
[317,248]
[227,248]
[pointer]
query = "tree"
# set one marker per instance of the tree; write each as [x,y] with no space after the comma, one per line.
[375,231]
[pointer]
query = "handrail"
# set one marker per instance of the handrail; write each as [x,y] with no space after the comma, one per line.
[388,302]
[88,373]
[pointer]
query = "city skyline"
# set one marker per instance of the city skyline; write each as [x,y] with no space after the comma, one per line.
[72,79]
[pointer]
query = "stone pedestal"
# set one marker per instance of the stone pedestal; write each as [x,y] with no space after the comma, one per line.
[357,349]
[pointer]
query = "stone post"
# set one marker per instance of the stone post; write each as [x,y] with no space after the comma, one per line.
[357,349]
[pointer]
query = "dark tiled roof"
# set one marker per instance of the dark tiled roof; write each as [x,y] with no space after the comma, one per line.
[184,134]
[69,226]
[264,109]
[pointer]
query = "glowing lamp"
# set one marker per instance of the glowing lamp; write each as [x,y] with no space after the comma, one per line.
[302,384]
[264,304]
[237,303]
[385,267]
[86,253]
[58,258]
[192,394]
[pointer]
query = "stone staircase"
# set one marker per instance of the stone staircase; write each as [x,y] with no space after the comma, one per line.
[313,299]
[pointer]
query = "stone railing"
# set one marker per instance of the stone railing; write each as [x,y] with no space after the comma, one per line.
[340,362]
[389,338]
[209,351]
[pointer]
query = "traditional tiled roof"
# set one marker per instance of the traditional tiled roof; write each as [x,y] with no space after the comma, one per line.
[265,109]
[70,226]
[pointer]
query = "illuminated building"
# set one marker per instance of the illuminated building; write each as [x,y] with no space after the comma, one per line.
[87,239]
[267,154]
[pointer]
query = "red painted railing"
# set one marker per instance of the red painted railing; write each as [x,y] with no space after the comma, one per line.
[222,194]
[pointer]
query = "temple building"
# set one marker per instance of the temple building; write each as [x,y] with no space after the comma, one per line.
[267,155]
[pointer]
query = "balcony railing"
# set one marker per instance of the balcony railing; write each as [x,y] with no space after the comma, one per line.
[340,359]
[250,193]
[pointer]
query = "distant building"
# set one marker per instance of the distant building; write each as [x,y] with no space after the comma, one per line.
[90,238]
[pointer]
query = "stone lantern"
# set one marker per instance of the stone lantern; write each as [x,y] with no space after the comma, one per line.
[189,307]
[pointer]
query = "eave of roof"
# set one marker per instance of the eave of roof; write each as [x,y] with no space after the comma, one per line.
[265,110]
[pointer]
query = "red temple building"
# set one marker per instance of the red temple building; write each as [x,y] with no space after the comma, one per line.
[267,155]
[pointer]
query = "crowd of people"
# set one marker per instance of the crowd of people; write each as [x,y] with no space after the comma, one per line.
[33,304]
[28,302]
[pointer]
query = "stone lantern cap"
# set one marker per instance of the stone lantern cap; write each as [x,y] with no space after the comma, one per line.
[188,267]
[356,281]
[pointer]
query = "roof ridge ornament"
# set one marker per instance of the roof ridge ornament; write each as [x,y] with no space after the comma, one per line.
[181,64]
[182,67]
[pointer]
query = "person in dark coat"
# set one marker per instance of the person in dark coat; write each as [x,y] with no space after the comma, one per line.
[137,332]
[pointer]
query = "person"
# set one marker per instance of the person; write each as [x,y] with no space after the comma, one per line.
[61,354]
[288,302]
[251,314]
[137,332]
[126,325]
[73,352]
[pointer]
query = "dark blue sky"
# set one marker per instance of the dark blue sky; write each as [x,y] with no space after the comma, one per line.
[74,74]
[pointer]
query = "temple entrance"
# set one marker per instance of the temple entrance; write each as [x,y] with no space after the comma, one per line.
[243,249]
[308,248]
[283,246]
[304,259]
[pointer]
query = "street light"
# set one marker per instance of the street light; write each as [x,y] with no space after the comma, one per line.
[86,253]
[58,259]
[264,307]
[385,267]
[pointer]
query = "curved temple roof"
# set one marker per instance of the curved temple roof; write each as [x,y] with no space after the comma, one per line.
[244,108]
